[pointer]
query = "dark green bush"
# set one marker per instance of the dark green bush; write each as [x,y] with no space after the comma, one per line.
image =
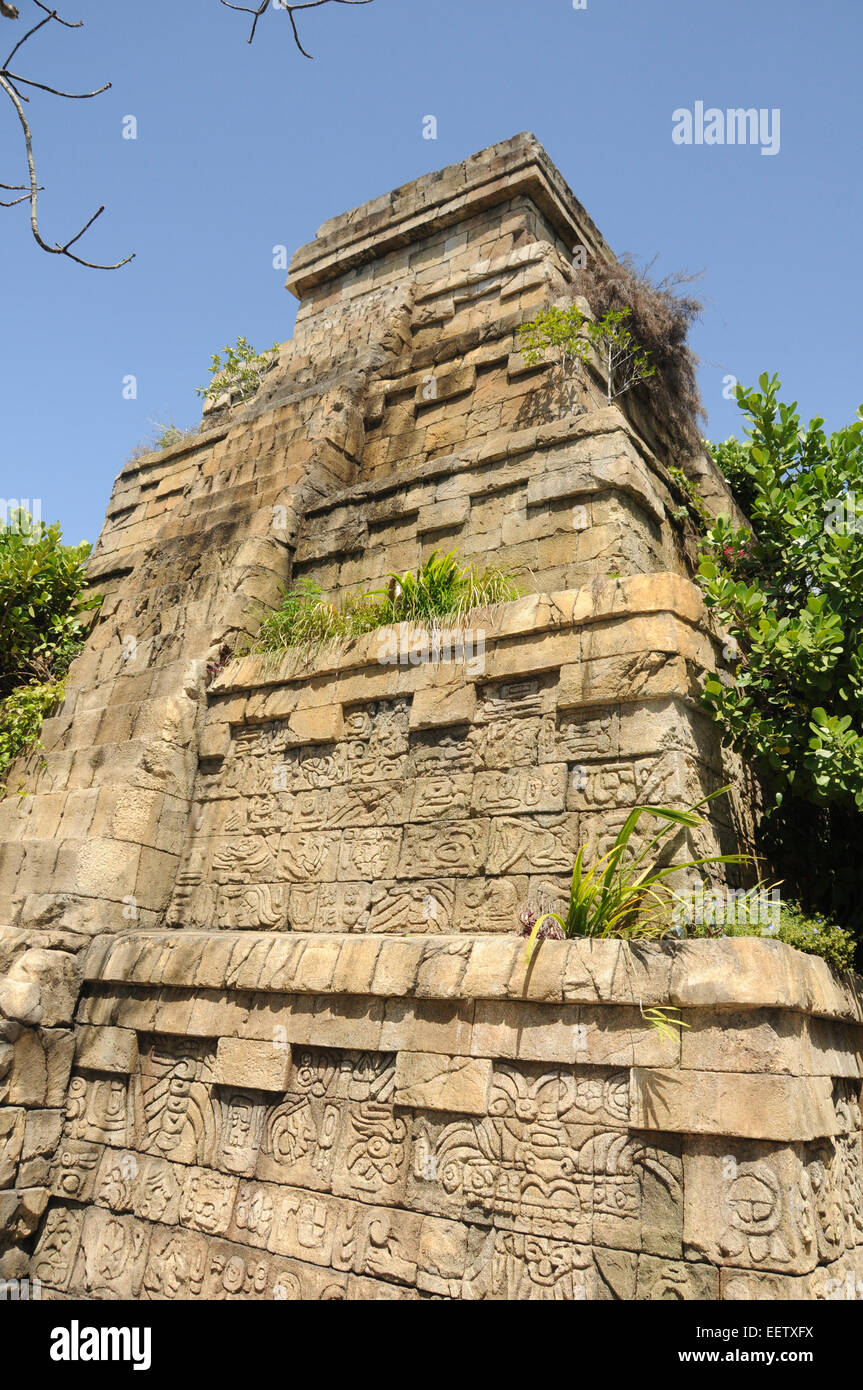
[788,591]
[43,614]
[813,934]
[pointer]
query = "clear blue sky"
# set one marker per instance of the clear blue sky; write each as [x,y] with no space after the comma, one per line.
[241,148]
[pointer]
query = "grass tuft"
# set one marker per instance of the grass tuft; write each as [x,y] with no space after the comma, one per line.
[440,592]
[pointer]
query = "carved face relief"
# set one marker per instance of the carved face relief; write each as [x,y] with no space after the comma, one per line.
[96,1109]
[517,1096]
[754,1203]
[512,1266]
[375,1157]
[207,1201]
[178,1113]
[255,1211]
[763,1222]
[242,1122]
[291,1132]
[369,854]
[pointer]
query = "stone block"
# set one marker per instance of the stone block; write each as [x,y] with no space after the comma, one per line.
[323,725]
[748,1106]
[748,1207]
[343,1022]
[443,516]
[440,706]
[397,967]
[762,1041]
[428,1081]
[21,1001]
[215,741]
[743,971]
[442,386]
[491,964]
[676,1281]
[32,1202]
[55,973]
[41,1133]
[12,1129]
[112,1255]
[443,1257]
[107,1049]
[99,868]
[57,1049]
[28,1081]
[429,1025]
[256,1066]
[495,1030]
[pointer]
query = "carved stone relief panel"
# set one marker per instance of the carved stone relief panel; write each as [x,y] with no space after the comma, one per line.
[175,1114]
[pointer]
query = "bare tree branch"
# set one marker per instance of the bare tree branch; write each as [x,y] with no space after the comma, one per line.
[257,12]
[50,14]
[70,96]
[67,23]
[12,188]
[9,84]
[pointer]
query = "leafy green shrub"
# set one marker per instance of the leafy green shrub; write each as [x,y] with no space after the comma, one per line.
[789,593]
[41,602]
[240,373]
[817,936]
[441,590]
[693,503]
[42,616]
[169,436]
[21,715]
[573,338]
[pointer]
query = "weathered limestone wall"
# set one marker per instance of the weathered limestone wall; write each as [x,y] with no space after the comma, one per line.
[266,1116]
[377,790]
[264,1022]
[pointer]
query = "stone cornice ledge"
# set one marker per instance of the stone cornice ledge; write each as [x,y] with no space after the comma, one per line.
[441,200]
[742,973]
[602,600]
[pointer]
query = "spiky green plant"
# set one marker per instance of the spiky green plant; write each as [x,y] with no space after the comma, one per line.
[443,589]
[303,618]
[661,1022]
[622,895]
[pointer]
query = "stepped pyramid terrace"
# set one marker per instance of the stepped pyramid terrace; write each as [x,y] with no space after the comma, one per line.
[267,1024]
